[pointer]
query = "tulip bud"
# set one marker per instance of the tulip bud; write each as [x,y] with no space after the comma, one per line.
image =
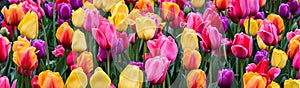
[48,10]
[4,82]
[100,79]
[85,61]
[284,11]
[78,17]
[40,47]
[65,11]
[279,58]
[76,4]
[294,6]
[91,19]
[4,31]
[131,77]
[262,54]
[191,59]
[79,42]
[189,39]
[29,25]
[225,78]
[188,7]
[64,34]
[77,79]
[242,45]
[71,58]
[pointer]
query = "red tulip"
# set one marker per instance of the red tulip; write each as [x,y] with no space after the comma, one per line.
[268,33]
[211,39]
[34,82]
[4,49]
[242,45]
[71,58]
[105,35]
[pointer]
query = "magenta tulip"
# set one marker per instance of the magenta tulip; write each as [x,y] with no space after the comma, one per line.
[296,61]
[225,78]
[156,69]
[195,21]
[105,35]
[211,39]
[4,49]
[268,33]
[59,51]
[290,35]
[4,82]
[242,45]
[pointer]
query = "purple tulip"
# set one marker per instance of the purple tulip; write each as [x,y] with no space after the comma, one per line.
[14,1]
[260,15]
[298,76]
[65,11]
[139,64]
[188,5]
[294,7]
[48,10]
[102,55]
[40,46]
[225,78]
[61,21]
[76,4]
[262,54]
[284,11]
[225,23]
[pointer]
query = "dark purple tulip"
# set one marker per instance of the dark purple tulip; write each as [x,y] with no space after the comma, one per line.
[225,23]
[294,7]
[262,54]
[260,15]
[61,21]
[14,1]
[40,46]
[284,11]
[76,4]
[225,78]
[102,55]
[65,11]
[139,64]
[48,10]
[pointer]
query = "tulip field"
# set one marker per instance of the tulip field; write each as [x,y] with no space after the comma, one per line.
[150,44]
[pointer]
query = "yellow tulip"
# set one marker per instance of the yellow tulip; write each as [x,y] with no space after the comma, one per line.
[189,39]
[196,79]
[105,5]
[273,85]
[253,26]
[131,77]
[89,5]
[277,21]
[119,15]
[261,44]
[191,59]
[85,61]
[77,79]
[78,42]
[279,58]
[78,17]
[100,79]
[145,28]
[29,25]
[20,44]
[135,13]
[292,83]
[197,3]
[49,79]
[251,80]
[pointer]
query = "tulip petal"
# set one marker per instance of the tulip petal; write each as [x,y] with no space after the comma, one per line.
[100,79]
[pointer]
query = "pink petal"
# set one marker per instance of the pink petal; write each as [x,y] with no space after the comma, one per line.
[239,51]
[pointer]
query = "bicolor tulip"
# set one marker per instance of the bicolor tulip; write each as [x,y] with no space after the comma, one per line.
[29,25]
[30,5]
[273,85]
[198,3]
[4,48]
[64,34]
[189,39]
[293,46]
[221,4]
[296,61]
[277,21]
[13,15]
[145,28]
[261,44]
[169,11]
[225,78]
[119,15]
[284,11]
[191,59]
[79,42]
[59,51]
[77,79]
[78,17]
[105,35]
[259,55]
[49,79]
[40,46]
[100,79]
[252,79]
[20,44]
[163,46]
[24,55]
[155,76]
[279,58]
[145,5]
[131,77]
[242,45]
[85,61]
[91,20]
[268,33]
[76,4]
[291,83]
[48,10]
[292,34]
[24,72]
[105,5]
[211,39]
[196,79]
[253,26]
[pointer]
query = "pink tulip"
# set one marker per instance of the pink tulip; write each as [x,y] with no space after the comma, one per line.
[156,69]
[211,39]
[34,82]
[4,49]
[131,38]
[30,5]
[105,35]
[242,45]
[71,58]
[290,35]
[268,33]
[59,51]
[296,61]
[177,23]
[195,21]
[4,82]
[238,9]
[91,20]
[163,46]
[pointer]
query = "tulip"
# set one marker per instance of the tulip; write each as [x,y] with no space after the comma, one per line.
[163,46]
[195,21]
[123,42]
[268,33]
[273,85]
[34,82]
[284,11]
[85,61]
[78,17]
[30,5]
[76,4]
[239,9]
[105,35]
[102,55]
[29,25]
[10,30]
[225,23]
[252,79]
[293,46]
[177,23]
[79,42]
[89,6]
[91,19]
[49,79]
[58,2]
[77,79]
[191,59]
[294,6]
[105,5]
[131,77]
[189,39]
[71,58]
[188,8]
[139,64]
[262,54]
[155,76]
[65,11]
[132,38]
[64,34]
[291,83]
[61,21]
[290,35]
[119,14]
[169,11]
[100,79]
[279,58]
[296,61]
[24,72]
[25,58]
[20,44]
[14,1]
[221,4]
[198,3]
[13,15]
[4,82]
[145,28]
[40,47]
[225,78]
[196,79]
[253,26]
[242,45]
[260,15]
[211,39]
[59,51]
[4,48]
[277,21]
[48,10]
[145,5]
[261,44]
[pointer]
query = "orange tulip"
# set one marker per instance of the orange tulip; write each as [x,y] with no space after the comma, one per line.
[13,15]
[169,11]
[221,4]
[196,79]
[49,79]
[277,21]
[254,80]
[85,61]
[24,55]
[145,5]
[64,34]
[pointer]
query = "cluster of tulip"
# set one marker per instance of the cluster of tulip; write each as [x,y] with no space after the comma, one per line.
[150,43]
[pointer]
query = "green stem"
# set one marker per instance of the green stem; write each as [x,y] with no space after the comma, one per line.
[239,27]
[47,49]
[108,63]
[167,28]
[145,46]
[236,65]
[242,69]
[168,79]
[249,26]
[130,6]
[210,68]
